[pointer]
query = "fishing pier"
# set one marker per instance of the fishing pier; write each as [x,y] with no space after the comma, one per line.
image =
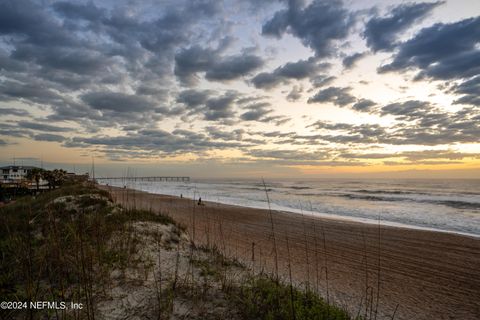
[164,178]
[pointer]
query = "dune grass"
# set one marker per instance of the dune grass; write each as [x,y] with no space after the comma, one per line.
[60,246]
[262,297]
[60,251]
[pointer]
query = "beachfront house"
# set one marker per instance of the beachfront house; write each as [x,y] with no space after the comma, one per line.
[16,174]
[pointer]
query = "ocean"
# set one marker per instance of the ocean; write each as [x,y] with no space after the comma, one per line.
[441,205]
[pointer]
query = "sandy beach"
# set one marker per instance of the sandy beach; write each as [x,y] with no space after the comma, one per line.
[418,274]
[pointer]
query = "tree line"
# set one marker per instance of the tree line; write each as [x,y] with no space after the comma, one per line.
[54,177]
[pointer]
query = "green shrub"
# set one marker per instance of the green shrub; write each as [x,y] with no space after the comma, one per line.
[263,298]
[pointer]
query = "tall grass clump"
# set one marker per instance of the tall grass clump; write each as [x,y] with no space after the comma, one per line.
[62,245]
[272,225]
[257,299]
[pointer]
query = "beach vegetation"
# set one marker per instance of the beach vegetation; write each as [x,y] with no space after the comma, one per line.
[74,244]
[262,297]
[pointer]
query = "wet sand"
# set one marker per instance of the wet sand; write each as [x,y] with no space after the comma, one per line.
[418,274]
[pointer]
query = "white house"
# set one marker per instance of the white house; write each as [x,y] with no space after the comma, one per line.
[14,174]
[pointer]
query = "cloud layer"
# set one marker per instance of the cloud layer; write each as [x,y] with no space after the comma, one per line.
[197,79]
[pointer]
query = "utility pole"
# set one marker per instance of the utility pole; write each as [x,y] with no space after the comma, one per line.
[93,168]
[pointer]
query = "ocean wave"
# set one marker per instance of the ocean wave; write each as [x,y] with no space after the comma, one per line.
[453,206]
[262,189]
[460,204]
[390,192]
[299,188]
[457,204]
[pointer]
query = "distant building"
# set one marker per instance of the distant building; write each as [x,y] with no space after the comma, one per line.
[15,174]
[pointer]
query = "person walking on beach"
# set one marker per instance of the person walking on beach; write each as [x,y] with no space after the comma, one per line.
[200,201]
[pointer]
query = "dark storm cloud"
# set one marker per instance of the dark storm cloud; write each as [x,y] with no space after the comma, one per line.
[469,92]
[193,60]
[212,106]
[73,111]
[42,127]
[220,107]
[157,141]
[10,65]
[262,112]
[288,154]
[442,51]
[14,112]
[277,25]
[250,99]
[322,80]
[87,11]
[233,67]
[255,114]
[74,60]
[411,109]
[272,134]
[381,33]
[421,114]
[35,92]
[420,136]
[349,133]
[117,101]
[122,65]
[217,133]
[330,126]
[28,19]
[300,69]
[300,140]
[49,137]
[160,36]
[193,98]
[52,54]
[10,130]
[418,123]
[209,104]
[43,43]
[154,91]
[299,158]
[292,70]
[350,61]
[363,105]
[266,80]
[336,95]
[317,25]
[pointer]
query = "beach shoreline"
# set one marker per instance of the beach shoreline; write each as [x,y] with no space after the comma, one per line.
[424,274]
[406,205]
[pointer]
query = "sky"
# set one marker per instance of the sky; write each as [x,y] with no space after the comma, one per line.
[242,89]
